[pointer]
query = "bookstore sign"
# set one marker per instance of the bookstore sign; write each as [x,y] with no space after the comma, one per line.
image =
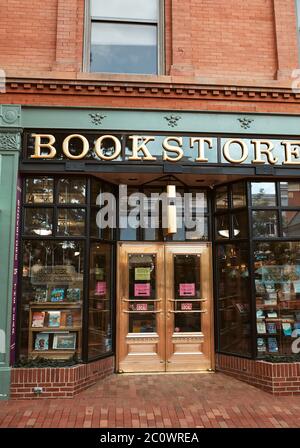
[172,148]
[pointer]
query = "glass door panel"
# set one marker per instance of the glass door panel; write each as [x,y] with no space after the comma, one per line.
[189,321]
[141,313]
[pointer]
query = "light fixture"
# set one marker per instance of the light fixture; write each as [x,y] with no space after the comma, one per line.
[76,254]
[42,232]
[171,209]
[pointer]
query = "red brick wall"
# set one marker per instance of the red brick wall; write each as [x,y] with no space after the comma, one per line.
[58,382]
[226,39]
[276,378]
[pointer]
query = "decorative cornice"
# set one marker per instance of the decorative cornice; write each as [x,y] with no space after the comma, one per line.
[151,89]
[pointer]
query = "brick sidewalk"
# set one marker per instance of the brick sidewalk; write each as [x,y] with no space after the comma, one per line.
[146,401]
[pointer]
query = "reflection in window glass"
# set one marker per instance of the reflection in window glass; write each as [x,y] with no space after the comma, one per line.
[277,287]
[71,222]
[71,191]
[239,195]
[125,9]
[264,223]
[52,274]
[263,194]
[221,198]
[38,221]
[234,298]
[123,48]
[291,223]
[100,331]
[290,194]
[39,190]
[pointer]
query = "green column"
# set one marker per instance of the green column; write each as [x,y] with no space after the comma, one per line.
[10,144]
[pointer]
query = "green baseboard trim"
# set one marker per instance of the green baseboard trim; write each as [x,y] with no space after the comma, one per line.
[5,373]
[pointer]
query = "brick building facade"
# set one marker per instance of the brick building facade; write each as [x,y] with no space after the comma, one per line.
[226,69]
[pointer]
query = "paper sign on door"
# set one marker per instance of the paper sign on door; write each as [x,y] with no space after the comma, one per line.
[142,289]
[100,288]
[187,289]
[142,307]
[186,306]
[142,273]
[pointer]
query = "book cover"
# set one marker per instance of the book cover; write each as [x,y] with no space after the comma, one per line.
[261,345]
[272,345]
[64,341]
[261,327]
[271,328]
[38,319]
[287,328]
[40,295]
[260,314]
[41,341]
[53,319]
[73,294]
[272,314]
[57,295]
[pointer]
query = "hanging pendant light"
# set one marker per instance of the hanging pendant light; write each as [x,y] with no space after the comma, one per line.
[171,209]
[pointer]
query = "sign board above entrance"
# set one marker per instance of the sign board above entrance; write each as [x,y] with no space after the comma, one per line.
[170,148]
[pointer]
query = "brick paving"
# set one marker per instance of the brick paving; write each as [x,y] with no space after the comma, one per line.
[163,401]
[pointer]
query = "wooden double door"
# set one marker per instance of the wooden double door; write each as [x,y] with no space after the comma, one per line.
[164,312]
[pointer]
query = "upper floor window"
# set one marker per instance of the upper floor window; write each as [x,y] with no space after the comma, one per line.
[124,36]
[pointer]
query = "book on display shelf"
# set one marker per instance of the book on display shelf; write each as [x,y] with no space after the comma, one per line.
[41,341]
[38,319]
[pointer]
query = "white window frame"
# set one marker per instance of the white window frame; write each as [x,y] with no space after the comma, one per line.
[160,38]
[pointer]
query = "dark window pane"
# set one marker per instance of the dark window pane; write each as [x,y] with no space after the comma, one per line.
[291,223]
[221,198]
[52,294]
[263,194]
[38,221]
[100,333]
[234,299]
[290,194]
[123,48]
[240,225]
[264,224]
[71,191]
[71,222]
[277,286]
[126,9]
[222,227]
[239,195]
[39,190]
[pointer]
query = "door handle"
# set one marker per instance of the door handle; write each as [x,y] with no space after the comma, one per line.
[143,312]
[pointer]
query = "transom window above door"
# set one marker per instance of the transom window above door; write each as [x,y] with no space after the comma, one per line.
[124,36]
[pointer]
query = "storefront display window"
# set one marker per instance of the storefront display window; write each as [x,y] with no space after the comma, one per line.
[100,294]
[234,298]
[52,297]
[277,290]
[55,239]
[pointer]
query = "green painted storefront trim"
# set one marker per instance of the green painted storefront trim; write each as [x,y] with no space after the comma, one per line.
[170,121]
[10,145]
